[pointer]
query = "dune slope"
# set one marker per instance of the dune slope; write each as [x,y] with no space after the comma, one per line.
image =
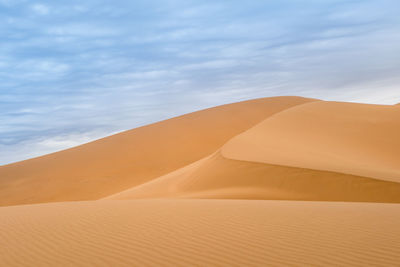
[200,233]
[118,162]
[217,177]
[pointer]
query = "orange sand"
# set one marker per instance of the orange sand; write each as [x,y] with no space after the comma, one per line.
[224,186]
[200,233]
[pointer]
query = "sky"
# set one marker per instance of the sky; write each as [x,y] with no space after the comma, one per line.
[74,71]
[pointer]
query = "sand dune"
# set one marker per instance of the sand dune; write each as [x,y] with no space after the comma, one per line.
[200,233]
[224,186]
[351,138]
[118,162]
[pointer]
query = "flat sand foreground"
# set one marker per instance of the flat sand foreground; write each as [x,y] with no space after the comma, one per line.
[200,233]
[281,181]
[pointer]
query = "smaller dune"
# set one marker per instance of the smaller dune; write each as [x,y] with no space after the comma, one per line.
[357,139]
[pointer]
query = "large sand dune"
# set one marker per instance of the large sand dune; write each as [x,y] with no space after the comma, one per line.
[315,151]
[267,182]
[118,162]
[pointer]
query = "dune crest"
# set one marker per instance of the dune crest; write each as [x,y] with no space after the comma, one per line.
[218,177]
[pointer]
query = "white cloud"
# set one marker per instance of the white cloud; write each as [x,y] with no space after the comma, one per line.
[40,9]
[40,146]
[82,30]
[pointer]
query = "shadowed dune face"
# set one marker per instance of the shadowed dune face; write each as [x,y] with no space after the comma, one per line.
[200,233]
[118,162]
[217,177]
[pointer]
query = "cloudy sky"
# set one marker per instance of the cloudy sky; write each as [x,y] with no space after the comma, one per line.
[73,71]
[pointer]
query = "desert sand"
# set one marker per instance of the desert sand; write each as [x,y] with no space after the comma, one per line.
[267,182]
